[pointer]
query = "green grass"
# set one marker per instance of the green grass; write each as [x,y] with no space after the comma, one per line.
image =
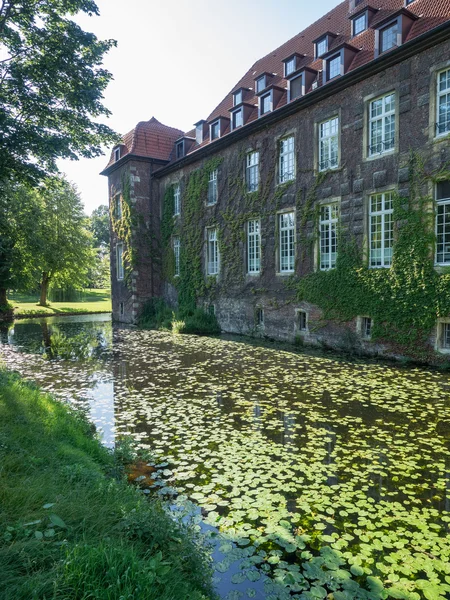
[70,525]
[93,301]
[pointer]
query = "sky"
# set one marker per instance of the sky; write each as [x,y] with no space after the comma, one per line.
[177,59]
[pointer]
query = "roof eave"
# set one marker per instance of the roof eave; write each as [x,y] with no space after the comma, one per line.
[127,158]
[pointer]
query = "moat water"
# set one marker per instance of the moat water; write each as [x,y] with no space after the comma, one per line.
[323,475]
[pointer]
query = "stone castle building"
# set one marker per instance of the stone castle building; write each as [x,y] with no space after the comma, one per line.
[314,142]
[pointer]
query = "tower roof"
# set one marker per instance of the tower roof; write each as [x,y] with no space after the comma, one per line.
[150,139]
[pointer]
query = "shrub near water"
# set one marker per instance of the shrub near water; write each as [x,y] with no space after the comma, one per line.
[156,314]
[69,529]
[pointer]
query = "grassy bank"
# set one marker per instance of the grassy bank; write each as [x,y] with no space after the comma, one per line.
[93,301]
[70,526]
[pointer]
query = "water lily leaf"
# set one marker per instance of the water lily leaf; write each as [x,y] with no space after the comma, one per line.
[253,575]
[238,577]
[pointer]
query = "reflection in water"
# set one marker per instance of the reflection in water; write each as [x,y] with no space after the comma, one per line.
[260,436]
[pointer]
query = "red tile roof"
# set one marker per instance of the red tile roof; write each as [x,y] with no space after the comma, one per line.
[151,139]
[156,140]
[431,12]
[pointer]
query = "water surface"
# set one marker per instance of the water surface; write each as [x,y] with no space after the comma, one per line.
[330,476]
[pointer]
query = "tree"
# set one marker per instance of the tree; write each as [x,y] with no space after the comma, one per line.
[100,226]
[65,252]
[98,275]
[20,211]
[51,87]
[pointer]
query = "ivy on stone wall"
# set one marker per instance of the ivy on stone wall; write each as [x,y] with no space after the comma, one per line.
[124,227]
[404,300]
[191,283]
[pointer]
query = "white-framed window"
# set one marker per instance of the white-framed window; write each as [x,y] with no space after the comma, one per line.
[443,336]
[176,200]
[382,124]
[443,223]
[199,133]
[176,252]
[118,205]
[261,84]
[119,262]
[265,104]
[238,118]
[381,229]
[287,160]
[328,220]
[116,154]
[364,327]
[289,66]
[253,247]
[237,97]
[359,24]
[212,187]
[295,87]
[443,103]
[388,37]
[215,130]
[334,67]
[252,171]
[286,240]
[329,144]
[321,47]
[212,252]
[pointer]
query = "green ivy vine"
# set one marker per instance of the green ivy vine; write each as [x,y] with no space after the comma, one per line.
[123,226]
[404,300]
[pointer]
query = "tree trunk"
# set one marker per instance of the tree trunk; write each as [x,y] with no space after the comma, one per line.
[44,289]
[5,315]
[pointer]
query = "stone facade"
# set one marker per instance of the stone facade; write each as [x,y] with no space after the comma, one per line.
[237,295]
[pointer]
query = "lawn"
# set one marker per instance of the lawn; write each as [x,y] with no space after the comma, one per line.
[71,527]
[93,301]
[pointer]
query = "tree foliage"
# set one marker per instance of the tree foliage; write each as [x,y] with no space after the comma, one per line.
[99,225]
[19,213]
[51,87]
[65,243]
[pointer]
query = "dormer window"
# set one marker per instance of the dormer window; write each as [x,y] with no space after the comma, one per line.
[237,118]
[261,83]
[116,154]
[295,87]
[215,130]
[359,24]
[237,97]
[321,47]
[334,66]
[392,32]
[199,134]
[388,37]
[289,66]
[265,104]
[180,149]
[338,61]
[199,131]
